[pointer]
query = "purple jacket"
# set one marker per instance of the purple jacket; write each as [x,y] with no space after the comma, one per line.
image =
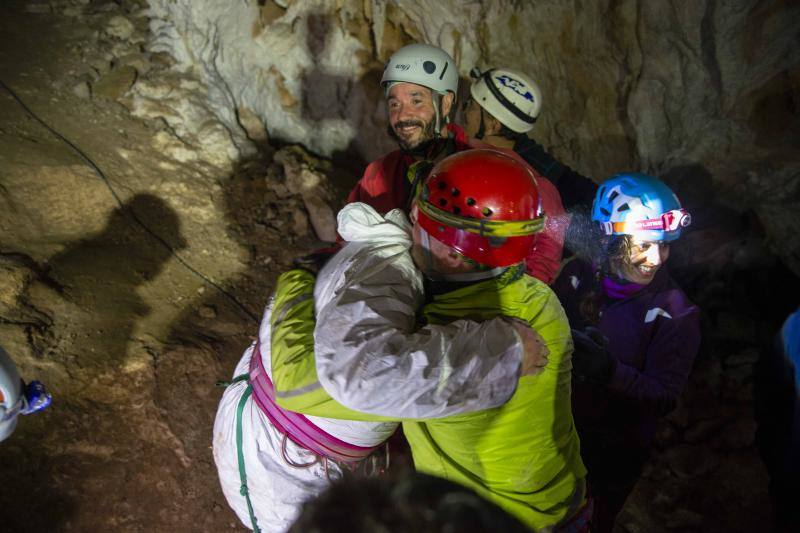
[654,336]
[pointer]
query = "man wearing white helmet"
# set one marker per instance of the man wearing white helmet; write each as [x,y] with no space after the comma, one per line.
[420,82]
[16,397]
[503,107]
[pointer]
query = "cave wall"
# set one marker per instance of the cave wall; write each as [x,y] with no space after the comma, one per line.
[652,86]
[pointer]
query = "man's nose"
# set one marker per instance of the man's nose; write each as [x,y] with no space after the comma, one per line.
[403,112]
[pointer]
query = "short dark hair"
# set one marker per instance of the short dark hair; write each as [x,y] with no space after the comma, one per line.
[508,133]
[411,503]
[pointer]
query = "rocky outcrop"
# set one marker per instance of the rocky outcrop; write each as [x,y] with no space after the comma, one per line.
[627,85]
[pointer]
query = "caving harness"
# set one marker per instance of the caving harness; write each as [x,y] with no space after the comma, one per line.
[295,427]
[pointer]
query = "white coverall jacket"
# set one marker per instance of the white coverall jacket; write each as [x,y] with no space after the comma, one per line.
[439,374]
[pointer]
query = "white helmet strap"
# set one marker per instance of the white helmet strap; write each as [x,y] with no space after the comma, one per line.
[436,99]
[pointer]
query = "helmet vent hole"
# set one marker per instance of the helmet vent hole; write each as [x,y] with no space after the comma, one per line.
[442,185]
[623,207]
[605,211]
[613,195]
[442,202]
[486,212]
[455,192]
[470,201]
[456,210]
[429,67]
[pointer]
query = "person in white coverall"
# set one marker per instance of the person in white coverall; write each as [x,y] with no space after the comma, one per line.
[270,460]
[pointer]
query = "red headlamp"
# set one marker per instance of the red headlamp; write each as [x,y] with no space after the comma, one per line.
[669,221]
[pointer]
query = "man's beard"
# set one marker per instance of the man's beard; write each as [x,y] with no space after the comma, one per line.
[424,141]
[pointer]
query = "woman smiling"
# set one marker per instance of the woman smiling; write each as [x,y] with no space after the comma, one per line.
[636,334]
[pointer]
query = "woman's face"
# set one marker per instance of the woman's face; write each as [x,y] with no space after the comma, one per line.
[644,260]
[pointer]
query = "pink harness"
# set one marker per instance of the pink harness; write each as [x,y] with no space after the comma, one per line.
[297,427]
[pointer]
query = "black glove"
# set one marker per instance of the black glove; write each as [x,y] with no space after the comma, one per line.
[316,259]
[591,361]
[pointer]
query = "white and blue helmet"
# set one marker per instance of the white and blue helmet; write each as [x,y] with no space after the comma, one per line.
[509,96]
[639,205]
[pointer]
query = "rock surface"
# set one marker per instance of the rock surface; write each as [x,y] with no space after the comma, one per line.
[626,85]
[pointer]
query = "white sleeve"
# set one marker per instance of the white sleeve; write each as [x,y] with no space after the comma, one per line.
[370,359]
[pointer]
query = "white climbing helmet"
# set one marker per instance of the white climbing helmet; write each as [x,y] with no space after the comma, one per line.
[11,399]
[424,65]
[509,96]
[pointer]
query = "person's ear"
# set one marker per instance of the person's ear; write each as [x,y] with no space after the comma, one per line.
[491,125]
[447,103]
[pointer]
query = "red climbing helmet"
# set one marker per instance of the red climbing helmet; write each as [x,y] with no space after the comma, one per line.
[484,204]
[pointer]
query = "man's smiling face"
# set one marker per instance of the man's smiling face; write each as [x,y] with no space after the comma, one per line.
[412,115]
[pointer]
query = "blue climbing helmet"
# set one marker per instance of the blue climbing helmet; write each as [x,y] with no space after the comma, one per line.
[639,205]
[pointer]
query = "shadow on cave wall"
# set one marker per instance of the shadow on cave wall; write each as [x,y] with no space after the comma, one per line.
[349,94]
[99,276]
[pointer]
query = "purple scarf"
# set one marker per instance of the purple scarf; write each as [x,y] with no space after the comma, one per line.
[619,290]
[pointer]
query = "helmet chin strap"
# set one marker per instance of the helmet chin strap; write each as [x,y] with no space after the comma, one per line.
[477,275]
[482,128]
[436,99]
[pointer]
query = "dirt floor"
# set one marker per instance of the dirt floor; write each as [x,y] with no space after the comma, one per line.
[132,290]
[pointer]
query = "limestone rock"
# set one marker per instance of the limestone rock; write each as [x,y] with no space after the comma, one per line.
[689,461]
[713,85]
[312,187]
[115,83]
[703,430]
[41,215]
[14,277]
[120,27]
[207,311]
[252,125]
[82,90]
[739,435]
[38,7]
[179,101]
[745,357]
[171,146]
[683,519]
[736,327]
[137,60]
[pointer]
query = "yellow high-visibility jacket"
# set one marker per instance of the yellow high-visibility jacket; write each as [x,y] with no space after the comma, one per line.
[523,455]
